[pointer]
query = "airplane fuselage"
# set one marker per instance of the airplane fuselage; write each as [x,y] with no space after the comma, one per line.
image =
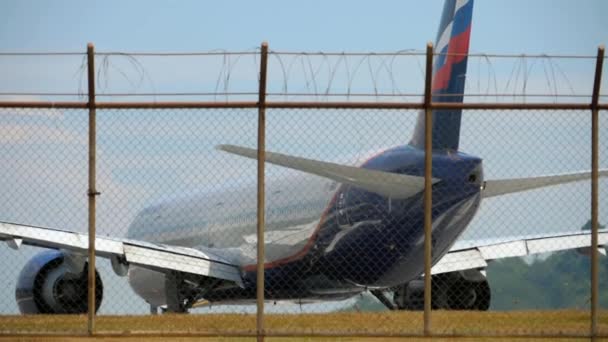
[322,239]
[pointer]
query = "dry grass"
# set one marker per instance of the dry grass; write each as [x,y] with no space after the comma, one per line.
[511,324]
[287,339]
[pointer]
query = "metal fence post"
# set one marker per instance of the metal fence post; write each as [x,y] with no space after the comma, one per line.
[595,189]
[428,174]
[261,156]
[92,192]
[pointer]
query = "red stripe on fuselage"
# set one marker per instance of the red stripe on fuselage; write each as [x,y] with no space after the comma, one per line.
[313,237]
[458,47]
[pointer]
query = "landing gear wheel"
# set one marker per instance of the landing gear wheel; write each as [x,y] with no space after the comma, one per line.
[482,303]
[468,295]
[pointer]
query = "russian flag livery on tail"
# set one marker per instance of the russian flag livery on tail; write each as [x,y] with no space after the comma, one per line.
[452,47]
[449,75]
[336,231]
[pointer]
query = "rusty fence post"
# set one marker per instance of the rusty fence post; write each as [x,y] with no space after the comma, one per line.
[92,192]
[428,197]
[595,189]
[261,195]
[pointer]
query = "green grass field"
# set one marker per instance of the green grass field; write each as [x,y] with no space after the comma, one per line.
[525,323]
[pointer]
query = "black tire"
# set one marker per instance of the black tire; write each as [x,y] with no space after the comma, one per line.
[468,295]
[484,295]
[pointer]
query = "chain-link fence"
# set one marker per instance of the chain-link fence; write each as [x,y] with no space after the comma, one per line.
[175,198]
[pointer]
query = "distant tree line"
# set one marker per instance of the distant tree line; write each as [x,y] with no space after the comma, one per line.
[560,280]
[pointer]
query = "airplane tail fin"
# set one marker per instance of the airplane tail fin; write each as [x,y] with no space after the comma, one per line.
[449,72]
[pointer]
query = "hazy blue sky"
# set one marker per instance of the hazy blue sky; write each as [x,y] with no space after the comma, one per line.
[517,26]
[550,26]
[151,154]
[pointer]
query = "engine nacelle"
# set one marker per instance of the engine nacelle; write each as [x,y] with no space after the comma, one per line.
[463,290]
[47,285]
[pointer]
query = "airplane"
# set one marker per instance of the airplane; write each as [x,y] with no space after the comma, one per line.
[338,231]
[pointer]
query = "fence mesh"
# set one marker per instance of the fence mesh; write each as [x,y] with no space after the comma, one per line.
[341,257]
[44,183]
[167,183]
[602,210]
[166,163]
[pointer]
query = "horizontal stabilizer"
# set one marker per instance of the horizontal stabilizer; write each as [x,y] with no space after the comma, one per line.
[384,183]
[506,186]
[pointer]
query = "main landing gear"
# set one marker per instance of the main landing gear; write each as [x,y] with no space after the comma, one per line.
[463,290]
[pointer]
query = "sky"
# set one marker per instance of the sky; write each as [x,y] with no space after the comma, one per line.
[517,26]
[157,154]
[514,27]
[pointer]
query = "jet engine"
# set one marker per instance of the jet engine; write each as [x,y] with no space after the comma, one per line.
[50,283]
[462,290]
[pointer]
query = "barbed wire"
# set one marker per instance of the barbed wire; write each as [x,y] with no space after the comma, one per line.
[319,75]
[406,52]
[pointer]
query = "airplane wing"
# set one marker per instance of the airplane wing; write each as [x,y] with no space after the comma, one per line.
[384,183]
[476,254]
[124,252]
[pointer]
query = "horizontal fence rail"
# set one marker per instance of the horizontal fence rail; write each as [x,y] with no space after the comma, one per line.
[162,131]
